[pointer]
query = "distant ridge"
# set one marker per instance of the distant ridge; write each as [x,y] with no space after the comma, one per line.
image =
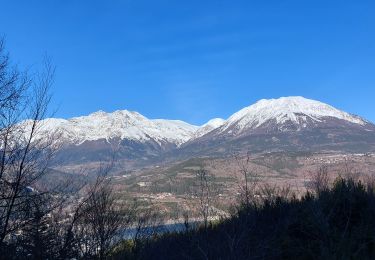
[286,123]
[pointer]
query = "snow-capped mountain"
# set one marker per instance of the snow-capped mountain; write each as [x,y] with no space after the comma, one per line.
[126,134]
[119,125]
[286,113]
[208,127]
[283,114]
[287,123]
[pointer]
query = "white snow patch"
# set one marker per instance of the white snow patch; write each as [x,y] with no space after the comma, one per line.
[120,124]
[209,126]
[295,109]
[124,124]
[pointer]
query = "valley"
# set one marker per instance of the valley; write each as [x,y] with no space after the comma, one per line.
[169,187]
[283,142]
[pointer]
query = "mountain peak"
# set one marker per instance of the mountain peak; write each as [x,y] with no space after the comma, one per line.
[215,122]
[295,109]
[120,124]
[281,114]
[98,113]
[209,126]
[267,125]
[101,113]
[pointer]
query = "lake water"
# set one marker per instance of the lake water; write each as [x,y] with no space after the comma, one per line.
[161,229]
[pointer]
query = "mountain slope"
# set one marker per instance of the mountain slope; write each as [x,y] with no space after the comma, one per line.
[286,113]
[284,124]
[287,123]
[125,134]
[208,127]
[121,125]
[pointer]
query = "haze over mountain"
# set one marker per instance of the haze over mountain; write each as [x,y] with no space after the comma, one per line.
[284,124]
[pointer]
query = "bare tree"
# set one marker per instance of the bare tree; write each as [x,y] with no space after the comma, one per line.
[271,192]
[146,223]
[39,237]
[91,223]
[101,220]
[369,180]
[185,215]
[348,171]
[24,153]
[205,191]
[247,178]
[39,222]
[320,179]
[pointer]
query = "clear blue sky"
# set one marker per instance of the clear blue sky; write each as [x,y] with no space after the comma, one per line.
[194,60]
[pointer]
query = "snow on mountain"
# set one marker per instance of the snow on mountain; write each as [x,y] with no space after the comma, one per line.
[213,123]
[142,140]
[124,124]
[170,128]
[209,126]
[120,124]
[297,110]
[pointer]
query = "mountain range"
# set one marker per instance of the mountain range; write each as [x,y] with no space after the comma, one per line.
[283,124]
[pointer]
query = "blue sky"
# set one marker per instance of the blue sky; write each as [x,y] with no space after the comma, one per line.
[195,60]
